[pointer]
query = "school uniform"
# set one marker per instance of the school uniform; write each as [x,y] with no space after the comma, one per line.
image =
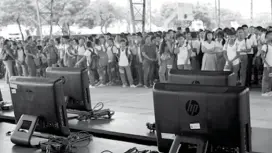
[32,49]
[252,42]
[267,73]
[220,55]
[124,67]
[231,51]
[242,45]
[183,57]
[195,63]
[111,67]
[209,59]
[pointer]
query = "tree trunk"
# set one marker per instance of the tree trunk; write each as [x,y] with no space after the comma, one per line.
[19,25]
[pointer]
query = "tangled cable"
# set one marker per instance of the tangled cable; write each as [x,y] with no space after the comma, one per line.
[66,145]
[97,113]
[133,150]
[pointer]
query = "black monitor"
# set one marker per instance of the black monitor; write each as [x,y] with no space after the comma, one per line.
[220,78]
[76,86]
[220,115]
[38,106]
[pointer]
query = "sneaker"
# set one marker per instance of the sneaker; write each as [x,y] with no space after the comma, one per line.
[132,86]
[267,94]
[91,87]
[124,86]
[101,85]
[146,87]
[139,85]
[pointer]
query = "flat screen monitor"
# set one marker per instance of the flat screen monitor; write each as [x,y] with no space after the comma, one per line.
[219,113]
[76,86]
[41,97]
[219,78]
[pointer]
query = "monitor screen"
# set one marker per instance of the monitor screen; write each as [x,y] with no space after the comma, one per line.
[212,111]
[76,86]
[220,78]
[43,98]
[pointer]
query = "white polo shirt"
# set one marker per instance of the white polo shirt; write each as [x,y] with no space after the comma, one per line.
[183,54]
[231,53]
[252,42]
[268,57]
[242,45]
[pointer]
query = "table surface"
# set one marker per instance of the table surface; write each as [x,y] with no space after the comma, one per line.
[97,145]
[134,126]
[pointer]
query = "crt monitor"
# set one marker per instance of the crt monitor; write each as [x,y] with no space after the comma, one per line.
[219,78]
[76,86]
[42,101]
[219,113]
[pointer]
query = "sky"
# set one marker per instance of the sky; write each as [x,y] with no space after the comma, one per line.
[242,6]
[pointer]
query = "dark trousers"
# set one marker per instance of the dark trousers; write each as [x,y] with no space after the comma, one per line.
[148,69]
[249,70]
[102,74]
[139,68]
[111,71]
[267,80]
[195,65]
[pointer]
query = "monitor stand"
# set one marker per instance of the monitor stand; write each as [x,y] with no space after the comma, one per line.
[202,144]
[23,137]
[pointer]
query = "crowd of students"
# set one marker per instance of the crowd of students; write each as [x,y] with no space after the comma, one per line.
[140,59]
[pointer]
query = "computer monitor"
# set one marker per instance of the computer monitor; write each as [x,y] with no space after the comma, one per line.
[76,86]
[219,78]
[219,114]
[38,106]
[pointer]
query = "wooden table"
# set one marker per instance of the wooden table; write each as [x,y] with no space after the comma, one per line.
[97,145]
[132,127]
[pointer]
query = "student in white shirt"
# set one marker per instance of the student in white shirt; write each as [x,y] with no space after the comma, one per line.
[112,51]
[195,50]
[219,44]
[91,58]
[243,47]
[183,51]
[209,58]
[250,36]
[81,59]
[125,65]
[267,59]
[231,55]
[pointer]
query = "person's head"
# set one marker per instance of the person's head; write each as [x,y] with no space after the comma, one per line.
[208,36]
[179,30]
[110,42]
[268,36]
[188,36]
[102,39]
[123,43]
[231,36]
[245,28]
[29,39]
[107,36]
[194,35]
[202,34]
[97,42]
[81,42]
[89,44]
[51,42]
[153,39]
[171,34]
[240,33]
[180,38]
[220,35]
[148,40]
[71,42]
[251,30]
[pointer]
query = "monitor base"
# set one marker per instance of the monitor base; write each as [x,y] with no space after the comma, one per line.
[23,136]
[202,144]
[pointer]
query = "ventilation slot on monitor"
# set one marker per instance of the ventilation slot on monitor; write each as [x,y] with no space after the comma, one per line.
[247,138]
[63,116]
[86,95]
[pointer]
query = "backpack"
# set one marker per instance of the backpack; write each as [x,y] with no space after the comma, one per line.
[127,55]
[94,60]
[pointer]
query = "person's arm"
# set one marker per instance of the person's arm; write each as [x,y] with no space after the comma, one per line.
[263,52]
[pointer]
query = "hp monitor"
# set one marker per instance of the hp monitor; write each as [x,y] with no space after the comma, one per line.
[38,106]
[219,115]
[76,86]
[219,78]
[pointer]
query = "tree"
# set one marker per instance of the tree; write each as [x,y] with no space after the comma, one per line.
[17,11]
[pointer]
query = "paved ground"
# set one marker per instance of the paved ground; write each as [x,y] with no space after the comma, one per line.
[140,101]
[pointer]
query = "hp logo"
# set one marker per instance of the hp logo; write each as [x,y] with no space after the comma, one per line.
[192,107]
